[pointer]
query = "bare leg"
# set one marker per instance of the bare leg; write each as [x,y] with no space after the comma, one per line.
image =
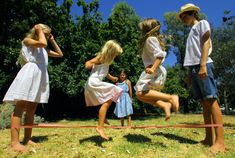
[122,121]
[166,106]
[129,120]
[155,96]
[207,120]
[15,127]
[217,119]
[102,116]
[29,119]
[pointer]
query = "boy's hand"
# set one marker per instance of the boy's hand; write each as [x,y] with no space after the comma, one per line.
[202,72]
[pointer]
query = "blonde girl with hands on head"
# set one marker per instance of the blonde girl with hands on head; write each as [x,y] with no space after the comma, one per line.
[97,92]
[151,81]
[31,85]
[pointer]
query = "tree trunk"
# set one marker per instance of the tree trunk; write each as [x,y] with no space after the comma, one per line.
[226,101]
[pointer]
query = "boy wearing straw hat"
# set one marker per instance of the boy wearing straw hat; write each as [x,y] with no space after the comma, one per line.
[200,65]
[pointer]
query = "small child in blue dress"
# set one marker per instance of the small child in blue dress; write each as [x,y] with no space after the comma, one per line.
[124,106]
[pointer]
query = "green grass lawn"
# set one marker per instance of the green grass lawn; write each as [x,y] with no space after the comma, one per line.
[124,143]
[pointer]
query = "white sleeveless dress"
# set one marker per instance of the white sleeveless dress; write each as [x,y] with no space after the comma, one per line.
[32,81]
[98,92]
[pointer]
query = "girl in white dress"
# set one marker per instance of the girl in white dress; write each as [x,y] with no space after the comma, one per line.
[31,85]
[98,92]
[153,78]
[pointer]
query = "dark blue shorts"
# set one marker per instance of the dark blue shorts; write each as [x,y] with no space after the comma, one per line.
[205,88]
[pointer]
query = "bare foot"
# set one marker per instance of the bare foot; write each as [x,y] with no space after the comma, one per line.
[18,147]
[30,142]
[175,103]
[217,147]
[101,133]
[106,122]
[167,110]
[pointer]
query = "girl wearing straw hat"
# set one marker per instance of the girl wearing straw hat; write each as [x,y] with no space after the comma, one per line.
[200,65]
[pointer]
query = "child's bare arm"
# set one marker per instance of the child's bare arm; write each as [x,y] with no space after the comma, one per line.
[41,42]
[112,78]
[89,64]
[130,88]
[155,66]
[57,52]
[206,43]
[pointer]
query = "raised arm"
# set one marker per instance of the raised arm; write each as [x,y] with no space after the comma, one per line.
[89,64]
[112,78]
[41,42]
[57,53]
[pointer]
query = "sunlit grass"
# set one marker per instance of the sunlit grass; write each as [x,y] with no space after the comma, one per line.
[124,143]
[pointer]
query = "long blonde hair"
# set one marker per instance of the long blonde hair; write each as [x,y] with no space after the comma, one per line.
[150,27]
[32,33]
[109,51]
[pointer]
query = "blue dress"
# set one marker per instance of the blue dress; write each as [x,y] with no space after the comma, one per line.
[124,106]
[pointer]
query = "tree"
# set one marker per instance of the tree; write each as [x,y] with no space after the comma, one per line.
[223,56]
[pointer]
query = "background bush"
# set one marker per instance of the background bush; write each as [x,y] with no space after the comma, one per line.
[5,116]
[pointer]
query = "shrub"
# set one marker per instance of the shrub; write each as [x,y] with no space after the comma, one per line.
[5,113]
[5,116]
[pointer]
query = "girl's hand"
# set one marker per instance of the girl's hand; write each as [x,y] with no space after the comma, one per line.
[114,79]
[202,72]
[149,70]
[37,28]
[51,37]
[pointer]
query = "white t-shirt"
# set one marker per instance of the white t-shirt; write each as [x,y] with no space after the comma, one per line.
[151,51]
[194,44]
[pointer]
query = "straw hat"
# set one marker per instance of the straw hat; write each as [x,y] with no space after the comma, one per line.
[188,7]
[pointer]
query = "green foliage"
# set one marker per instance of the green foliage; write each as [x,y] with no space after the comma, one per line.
[5,115]
[224,59]
[173,83]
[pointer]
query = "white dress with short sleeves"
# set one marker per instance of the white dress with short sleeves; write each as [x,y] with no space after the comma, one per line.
[98,92]
[32,81]
[155,81]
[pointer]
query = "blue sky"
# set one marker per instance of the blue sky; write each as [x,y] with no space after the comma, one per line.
[214,9]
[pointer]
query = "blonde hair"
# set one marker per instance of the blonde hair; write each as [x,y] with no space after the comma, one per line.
[32,33]
[109,51]
[150,27]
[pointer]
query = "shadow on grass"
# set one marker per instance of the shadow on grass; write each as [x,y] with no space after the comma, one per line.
[175,137]
[38,139]
[138,138]
[96,139]
[229,125]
